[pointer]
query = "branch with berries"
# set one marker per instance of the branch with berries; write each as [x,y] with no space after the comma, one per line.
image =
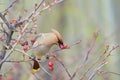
[24,41]
[12,25]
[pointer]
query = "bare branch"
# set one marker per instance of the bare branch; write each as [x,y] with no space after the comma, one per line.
[108,72]
[96,69]
[100,57]
[5,20]
[36,14]
[86,57]
[44,69]
[78,42]
[14,61]
[68,73]
[35,9]
[11,5]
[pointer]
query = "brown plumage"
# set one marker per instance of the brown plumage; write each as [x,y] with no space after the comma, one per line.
[43,43]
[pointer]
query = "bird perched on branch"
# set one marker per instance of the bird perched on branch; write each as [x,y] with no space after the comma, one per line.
[43,43]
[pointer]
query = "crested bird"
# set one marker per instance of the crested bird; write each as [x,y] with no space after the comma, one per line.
[43,43]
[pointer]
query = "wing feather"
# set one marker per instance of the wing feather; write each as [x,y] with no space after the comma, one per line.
[37,38]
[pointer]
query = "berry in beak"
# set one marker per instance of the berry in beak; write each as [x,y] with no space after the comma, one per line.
[62,46]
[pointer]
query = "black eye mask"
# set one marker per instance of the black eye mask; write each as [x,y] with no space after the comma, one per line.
[60,44]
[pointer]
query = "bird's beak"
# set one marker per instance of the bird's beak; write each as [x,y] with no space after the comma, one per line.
[61,45]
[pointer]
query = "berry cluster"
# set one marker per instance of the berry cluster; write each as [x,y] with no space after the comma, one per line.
[50,65]
[25,45]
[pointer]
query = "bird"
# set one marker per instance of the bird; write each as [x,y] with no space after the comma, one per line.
[42,45]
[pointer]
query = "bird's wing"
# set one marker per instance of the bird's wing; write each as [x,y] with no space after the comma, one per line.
[39,35]
[37,38]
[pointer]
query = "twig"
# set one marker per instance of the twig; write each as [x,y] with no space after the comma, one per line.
[85,60]
[11,5]
[95,70]
[90,49]
[43,9]
[92,65]
[44,69]
[113,48]
[59,1]
[78,42]
[14,61]
[5,20]
[24,53]
[30,15]
[35,9]
[108,72]
[35,76]
[68,73]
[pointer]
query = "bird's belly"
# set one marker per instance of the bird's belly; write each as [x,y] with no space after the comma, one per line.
[40,51]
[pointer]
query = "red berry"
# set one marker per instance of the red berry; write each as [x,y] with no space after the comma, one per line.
[24,43]
[50,64]
[11,78]
[65,46]
[61,46]
[32,40]
[51,68]
[25,47]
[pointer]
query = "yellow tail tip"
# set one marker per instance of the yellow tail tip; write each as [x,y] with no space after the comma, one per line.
[35,70]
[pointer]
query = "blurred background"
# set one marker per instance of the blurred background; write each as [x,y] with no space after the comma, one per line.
[78,20]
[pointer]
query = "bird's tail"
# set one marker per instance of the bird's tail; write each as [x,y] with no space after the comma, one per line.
[36,67]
